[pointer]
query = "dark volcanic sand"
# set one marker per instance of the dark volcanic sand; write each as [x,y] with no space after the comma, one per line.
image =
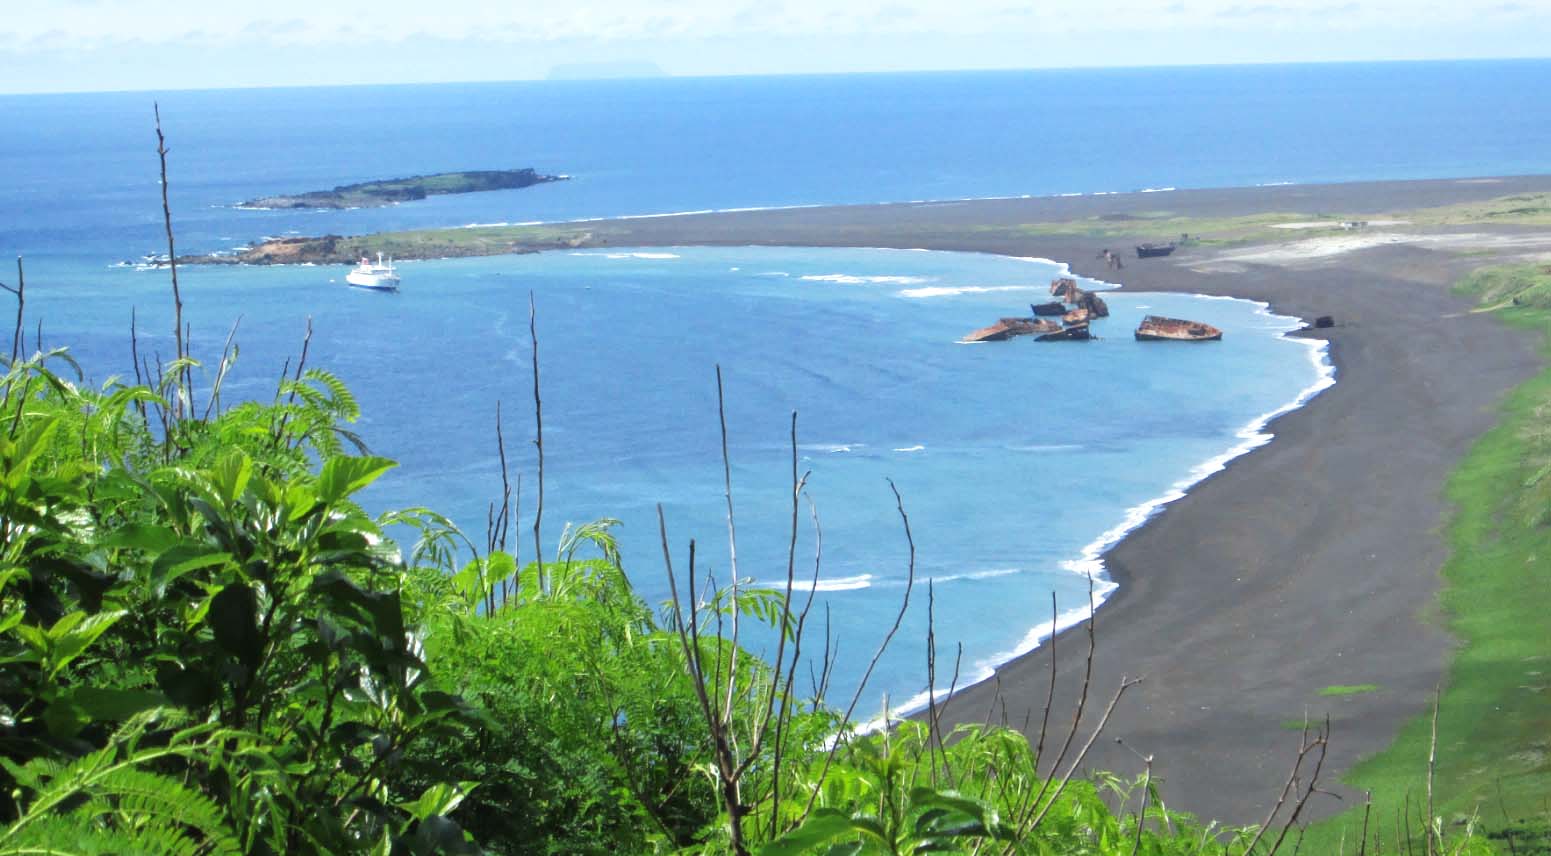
[1309,562]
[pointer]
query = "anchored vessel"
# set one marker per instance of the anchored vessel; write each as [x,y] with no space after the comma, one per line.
[1156,328]
[377,277]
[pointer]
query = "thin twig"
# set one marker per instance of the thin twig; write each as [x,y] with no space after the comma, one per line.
[538,443]
[21,305]
[899,618]
[172,253]
[1432,764]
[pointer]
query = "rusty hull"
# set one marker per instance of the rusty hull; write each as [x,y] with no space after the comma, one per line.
[1156,328]
[1074,333]
[1007,328]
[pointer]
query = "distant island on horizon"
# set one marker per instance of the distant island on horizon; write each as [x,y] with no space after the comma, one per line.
[375,194]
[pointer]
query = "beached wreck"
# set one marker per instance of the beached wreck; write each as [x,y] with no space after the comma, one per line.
[1076,316]
[1147,251]
[1156,328]
[1007,328]
[1053,308]
[1074,333]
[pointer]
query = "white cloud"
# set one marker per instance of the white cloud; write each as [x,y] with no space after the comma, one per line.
[85,24]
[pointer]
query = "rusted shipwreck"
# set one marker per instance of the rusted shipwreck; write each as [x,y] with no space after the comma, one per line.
[1067,290]
[1073,306]
[1007,328]
[1072,333]
[1156,328]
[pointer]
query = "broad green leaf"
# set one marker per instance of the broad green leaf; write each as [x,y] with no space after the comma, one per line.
[234,620]
[70,643]
[821,826]
[441,798]
[114,705]
[230,475]
[344,475]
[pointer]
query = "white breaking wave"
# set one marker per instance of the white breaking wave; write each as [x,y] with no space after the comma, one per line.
[952,291]
[849,279]
[978,575]
[831,447]
[630,255]
[916,448]
[860,581]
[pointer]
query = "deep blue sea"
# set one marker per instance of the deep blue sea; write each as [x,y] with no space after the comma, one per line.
[1017,462]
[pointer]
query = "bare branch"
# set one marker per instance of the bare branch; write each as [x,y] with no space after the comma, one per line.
[538,443]
[899,618]
[172,253]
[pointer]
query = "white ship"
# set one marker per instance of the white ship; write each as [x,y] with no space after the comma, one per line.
[378,277]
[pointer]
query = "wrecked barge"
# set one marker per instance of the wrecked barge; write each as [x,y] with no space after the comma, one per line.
[1156,328]
[1007,328]
[1074,333]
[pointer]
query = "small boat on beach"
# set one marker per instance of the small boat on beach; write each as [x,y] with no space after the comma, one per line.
[374,277]
[1148,251]
[1156,328]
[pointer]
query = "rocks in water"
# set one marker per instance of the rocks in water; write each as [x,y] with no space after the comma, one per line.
[1076,316]
[1007,328]
[1324,321]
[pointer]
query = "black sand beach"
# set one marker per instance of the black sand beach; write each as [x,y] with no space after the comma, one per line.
[1309,562]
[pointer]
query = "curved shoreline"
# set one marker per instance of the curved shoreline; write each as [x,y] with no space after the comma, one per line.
[1091,564]
[1311,562]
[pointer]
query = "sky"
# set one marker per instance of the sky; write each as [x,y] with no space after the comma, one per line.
[94,45]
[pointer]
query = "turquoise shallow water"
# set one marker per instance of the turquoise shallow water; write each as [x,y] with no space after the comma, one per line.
[1015,460]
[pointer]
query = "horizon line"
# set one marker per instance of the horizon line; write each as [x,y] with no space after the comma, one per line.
[666,75]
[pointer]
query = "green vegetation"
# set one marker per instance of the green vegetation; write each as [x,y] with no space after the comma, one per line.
[1494,713]
[1346,690]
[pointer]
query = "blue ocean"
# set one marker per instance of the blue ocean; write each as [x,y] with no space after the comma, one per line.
[1017,462]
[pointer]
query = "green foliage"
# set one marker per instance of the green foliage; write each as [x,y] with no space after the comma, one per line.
[203,647]
[1348,689]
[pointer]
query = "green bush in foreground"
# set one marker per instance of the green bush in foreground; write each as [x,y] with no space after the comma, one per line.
[207,647]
